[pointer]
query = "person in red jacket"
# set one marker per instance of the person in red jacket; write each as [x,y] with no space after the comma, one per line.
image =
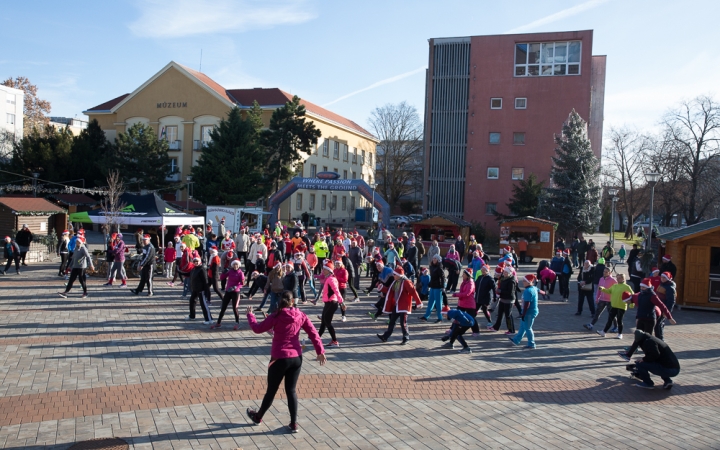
[398,303]
[466,299]
[341,274]
[214,270]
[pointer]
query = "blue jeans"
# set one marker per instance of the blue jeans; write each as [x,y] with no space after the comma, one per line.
[274,300]
[526,327]
[264,299]
[436,302]
[311,283]
[186,285]
[644,369]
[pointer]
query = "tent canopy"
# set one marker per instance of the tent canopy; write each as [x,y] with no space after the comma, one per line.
[141,210]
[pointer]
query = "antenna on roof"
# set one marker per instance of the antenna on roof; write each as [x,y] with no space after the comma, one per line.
[200,60]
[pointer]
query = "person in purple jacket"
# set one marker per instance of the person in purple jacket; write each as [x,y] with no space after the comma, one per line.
[285,354]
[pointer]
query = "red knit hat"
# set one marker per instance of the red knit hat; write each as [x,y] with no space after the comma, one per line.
[667,275]
[646,283]
[328,265]
[654,269]
[626,296]
[399,270]
[667,258]
[530,278]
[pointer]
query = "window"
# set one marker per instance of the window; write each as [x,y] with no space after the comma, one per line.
[313,170]
[362,157]
[345,152]
[547,59]
[312,202]
[336,170]
[521,103]
[169,134]
[518,173]
[495,103]
[336,150]
[323,202]
[370,155]
[354,156]
[205,133]
[173,165]
[10,98]
[333,205]
[354,175]
[315,152]
[344,203]
[352,203]
[344,174]
[518,138]
[11,119]
[490,209]
[324,168]
[298,202]
[493,173]
[325,147]
[494,138]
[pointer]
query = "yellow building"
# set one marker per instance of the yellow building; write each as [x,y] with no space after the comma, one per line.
[183,106]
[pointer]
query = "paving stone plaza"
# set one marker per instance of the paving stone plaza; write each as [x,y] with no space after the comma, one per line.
[129,367]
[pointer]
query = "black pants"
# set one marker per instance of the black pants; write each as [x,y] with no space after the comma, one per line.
[214,283]
[351,285]
[457,333]
[318,268]
[10,260]
[403,325]
[452,281]
[582,296]
[230,297]
[505,309]
[327,317]
[615,313]
[522,257]
[660,328]
[473,313]
[253,288]
[373,281]
[22,258]
[288,368]
[63,263]
[356,277]
[302,281]
[486,313]
[146,277]
[249,268]
[444,298]
[636,283]
[199,296]
[379,305]
[77,274]
[646,325]
[565,285]
[243,256]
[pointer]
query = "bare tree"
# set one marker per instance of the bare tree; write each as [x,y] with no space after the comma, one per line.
[663,156]
[624,168]
[111,204]
[694,128]
[399,154]
[35,109]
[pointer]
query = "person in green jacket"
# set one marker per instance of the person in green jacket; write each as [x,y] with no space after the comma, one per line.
[617,305]
[321,251]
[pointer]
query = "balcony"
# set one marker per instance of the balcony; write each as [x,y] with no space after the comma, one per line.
[198,145]
[175,145]
[173,177]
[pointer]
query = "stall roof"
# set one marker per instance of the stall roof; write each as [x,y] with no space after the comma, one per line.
[530,218]
[701,228]
[74,199]
[443,219]
[193,205]
[29,206]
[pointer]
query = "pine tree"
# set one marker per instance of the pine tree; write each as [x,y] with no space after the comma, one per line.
[525,198]
[230,170]
[93,149]
[574,198]
[142,159]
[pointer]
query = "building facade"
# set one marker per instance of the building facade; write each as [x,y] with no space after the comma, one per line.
[493,104]
[11,116]
[184,105]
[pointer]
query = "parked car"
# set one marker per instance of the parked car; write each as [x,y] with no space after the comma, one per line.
[415,217]
[399,221]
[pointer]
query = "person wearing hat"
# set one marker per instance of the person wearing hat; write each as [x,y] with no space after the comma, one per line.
[303,272]
[355,256]
[117,268]
[454,267]
[485,292]
[602,299]
[647,304]
[343,278]
[659,360]
[62,251]
[12,254]
[146,265]
[216,269]
[461,322]
[666,292]
[209,228]
[530,312]
[80,261]
[221,227]
[585,279]
[507,287]
[621,253]
[331,300]
[259,281]
[274,256]
[437,284]
[235,280]
[607,252]
[139,240]
[637,273]
[466,298]
[668,266]
[351,277]
[655,278]
[619,293]
[411,255]
[399,302]
[384,281]
[24,238]
[274,287]
[199,290]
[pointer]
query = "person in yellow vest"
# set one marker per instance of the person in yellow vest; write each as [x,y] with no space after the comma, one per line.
[321,251]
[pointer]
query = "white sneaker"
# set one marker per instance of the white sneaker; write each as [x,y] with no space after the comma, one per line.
[344,318]
[189,318]
[208,322]
[601,333]
[619,336]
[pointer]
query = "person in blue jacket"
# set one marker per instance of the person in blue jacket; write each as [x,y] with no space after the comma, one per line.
[530,311]
[462,322]
[424,284]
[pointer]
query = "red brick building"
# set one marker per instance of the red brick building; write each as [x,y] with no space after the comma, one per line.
[493,104]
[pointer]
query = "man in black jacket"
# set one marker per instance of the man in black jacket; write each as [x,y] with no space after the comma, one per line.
[146,266]
[668,266]
[356,258]
[12,254]
[23,238]
[658,360]
[199,290]
[411,254]
[485,292]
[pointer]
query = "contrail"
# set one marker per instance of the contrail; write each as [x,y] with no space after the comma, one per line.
[558,15]
[379,83]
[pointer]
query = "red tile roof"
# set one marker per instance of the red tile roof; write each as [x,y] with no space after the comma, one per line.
[278,97]
[19,205]
[209,82]
[107,106]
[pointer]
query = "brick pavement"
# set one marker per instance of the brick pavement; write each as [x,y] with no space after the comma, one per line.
[124,366]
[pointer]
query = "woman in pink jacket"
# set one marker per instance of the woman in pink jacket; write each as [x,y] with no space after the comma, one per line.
[235,281]
[285,354]
[341,275]
[602,300]
[453,254]
[331,300]
[466,298]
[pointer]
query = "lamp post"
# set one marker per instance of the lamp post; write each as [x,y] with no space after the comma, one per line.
[35,177]
[612,192]
[372,208]
[427,209]
[187,197]
[652,178]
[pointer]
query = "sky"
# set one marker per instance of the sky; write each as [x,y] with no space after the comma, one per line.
[350,57]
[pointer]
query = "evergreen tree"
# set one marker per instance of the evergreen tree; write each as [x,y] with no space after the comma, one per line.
[46,151]
[574,198]
[230,169]
[288,135]
[525,198]
[93,149]
[255,116]
[142,159]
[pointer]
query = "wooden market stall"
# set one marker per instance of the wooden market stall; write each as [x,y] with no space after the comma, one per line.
[539,233]
[444,228]
[695,251]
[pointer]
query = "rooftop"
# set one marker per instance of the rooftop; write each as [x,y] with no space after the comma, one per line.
[23,206]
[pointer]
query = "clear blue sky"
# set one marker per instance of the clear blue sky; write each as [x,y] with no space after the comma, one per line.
[83,53]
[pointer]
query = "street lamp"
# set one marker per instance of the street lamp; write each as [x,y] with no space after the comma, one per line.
[187,197]
[35,177]
[372,207]
[427,209]
[652,178]
[612,192]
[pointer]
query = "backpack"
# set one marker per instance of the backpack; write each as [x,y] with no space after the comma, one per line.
[609,252]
